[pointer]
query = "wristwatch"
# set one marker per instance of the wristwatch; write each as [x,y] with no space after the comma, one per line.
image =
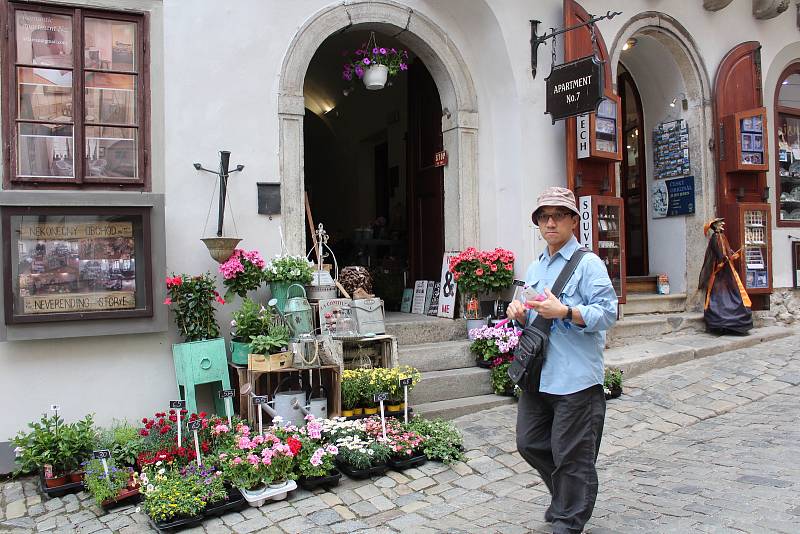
[568,316]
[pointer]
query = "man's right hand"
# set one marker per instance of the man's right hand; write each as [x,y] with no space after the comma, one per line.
[516,311]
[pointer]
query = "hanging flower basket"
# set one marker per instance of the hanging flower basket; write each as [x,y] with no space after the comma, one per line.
[374,64]
[221,248]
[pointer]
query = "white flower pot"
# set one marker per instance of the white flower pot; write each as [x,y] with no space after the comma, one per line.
[375,77]
[275,492]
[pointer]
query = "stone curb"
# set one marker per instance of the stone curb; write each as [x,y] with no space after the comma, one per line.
[671,350]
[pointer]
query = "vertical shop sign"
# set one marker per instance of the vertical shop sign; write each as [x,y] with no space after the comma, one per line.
[586,226]
[582,136]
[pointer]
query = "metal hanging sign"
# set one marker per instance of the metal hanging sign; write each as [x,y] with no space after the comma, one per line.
[574,88]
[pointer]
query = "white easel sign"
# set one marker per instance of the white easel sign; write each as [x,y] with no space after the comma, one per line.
[447,288]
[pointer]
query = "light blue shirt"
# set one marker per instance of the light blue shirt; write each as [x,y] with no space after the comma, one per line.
[575,353]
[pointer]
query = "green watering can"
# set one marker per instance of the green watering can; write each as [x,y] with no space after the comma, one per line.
[297,313]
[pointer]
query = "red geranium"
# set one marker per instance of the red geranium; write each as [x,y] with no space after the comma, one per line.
[294,445]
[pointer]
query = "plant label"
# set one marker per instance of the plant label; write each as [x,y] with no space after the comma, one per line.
[260,399]
[55,407]
[382,396]
[405,382]
[383,415]
[227,393]
[101,454]
[195,425]
[177,404]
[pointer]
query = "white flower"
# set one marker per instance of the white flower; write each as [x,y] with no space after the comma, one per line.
[162,471]
[150,487]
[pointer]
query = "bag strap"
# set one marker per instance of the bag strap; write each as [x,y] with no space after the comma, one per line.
[563,277]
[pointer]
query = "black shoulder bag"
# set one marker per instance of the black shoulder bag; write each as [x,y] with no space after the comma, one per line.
[526,369]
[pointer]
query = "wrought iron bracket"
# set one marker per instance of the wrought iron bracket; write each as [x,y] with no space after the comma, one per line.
[537,40]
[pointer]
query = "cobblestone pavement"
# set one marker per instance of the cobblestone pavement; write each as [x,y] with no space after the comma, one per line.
[710,445]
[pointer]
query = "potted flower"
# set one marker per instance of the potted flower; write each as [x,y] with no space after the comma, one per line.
[212,489]
[612,382]
[76,442]
[361,457]
[484,271]
[242,272]
[396,391]
[314,460]
[170,499]
[405,445]
[108,490]
[250,320]
[123,441]
[351,392]
[443,441]
[160,439]
[271,348]
[490,342]
[374,64]
[501,382]
[285,270]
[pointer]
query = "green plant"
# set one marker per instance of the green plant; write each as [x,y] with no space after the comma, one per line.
[193,300]
[274,341]
[76,442]
[101,487]
[613,378]
[209,481]
[52,442]
[250,320]
[361,453]
[443,441]
[122,440]
[501,383]
[288,268]
[351,390]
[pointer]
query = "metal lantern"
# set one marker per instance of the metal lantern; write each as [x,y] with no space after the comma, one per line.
[298,315]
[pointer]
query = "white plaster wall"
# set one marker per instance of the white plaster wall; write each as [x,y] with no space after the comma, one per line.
[214,82]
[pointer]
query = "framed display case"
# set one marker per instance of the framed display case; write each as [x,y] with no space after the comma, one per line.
[755,266]
[70,263]
[602,230]
[746,140]
[788,166]
[603,130]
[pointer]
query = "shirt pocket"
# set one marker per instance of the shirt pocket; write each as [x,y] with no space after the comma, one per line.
[571,296]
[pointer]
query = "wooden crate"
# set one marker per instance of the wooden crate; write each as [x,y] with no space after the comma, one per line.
[238,374]
[266,382]
[377,351]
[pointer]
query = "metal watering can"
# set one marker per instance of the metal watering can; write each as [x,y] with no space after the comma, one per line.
[297,314]
[284,404]
[318,407]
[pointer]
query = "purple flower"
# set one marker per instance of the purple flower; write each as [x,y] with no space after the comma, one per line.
[359,52]
[383,51]
[394,51]
[403,66]
[359,72]
[347,75]
[375,50]
[366,61]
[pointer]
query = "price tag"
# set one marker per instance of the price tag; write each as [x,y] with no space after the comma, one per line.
[227,393]
[177,404]
[260,399]
[101,454]
[195,425]
[405,382]
[380,397]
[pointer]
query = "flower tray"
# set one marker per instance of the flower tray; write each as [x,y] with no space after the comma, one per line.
[126,496]
[59,491]
[318,482]
[485,364]
[375,470]
[258,498]
[176,524]
[401,463]
[234,503]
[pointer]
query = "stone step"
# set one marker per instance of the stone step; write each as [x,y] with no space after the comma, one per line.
[670,350]
[451,384]
[450,409]
[641,284]
[641,328]
[437,356]
[411,329]
[636,304]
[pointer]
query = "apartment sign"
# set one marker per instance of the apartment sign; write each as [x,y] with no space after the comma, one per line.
[574,88]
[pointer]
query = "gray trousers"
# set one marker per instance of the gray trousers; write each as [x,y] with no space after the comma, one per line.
[559,436]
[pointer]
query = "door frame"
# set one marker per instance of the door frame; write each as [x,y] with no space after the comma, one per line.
[642,166]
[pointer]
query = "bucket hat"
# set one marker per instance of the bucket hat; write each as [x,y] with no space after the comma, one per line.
[555,196]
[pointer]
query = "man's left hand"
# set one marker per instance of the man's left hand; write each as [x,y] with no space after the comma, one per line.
[550,308]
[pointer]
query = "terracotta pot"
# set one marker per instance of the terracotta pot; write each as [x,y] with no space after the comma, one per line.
[76,476]
[55,482]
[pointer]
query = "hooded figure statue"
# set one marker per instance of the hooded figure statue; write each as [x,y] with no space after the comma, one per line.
[727,306]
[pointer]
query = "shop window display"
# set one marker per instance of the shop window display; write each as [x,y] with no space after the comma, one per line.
[76,122]
[75,264]
[788,140]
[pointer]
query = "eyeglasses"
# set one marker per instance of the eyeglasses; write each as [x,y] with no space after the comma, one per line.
[557,216]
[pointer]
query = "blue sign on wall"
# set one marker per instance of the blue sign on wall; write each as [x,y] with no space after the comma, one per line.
[673,197]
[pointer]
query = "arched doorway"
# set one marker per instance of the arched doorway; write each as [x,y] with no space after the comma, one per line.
[459,120]
[667,71]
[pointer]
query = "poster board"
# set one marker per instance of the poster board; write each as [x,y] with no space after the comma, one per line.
[448,287]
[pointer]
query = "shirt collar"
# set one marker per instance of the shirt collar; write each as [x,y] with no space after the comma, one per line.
[566,251]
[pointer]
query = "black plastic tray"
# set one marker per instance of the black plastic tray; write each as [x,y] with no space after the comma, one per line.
[235,502]
[484,364]
[361,473]
[177,524]
[400,464]
[317,482]
[60,491]
[131,497]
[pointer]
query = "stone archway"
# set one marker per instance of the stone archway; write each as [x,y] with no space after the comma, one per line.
[678,42]
[459,114]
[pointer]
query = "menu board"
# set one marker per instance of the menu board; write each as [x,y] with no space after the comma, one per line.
[74,264]
[671,149]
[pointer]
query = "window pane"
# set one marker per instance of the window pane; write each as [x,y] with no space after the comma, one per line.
[110,45]
[111,151]
[790,92]
[44,94]
[45,150]
[111,98]
[789,166]
[44,39]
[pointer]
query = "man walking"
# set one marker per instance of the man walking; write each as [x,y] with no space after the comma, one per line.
[559,426]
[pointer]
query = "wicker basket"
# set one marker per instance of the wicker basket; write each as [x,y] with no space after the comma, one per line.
[270,362]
